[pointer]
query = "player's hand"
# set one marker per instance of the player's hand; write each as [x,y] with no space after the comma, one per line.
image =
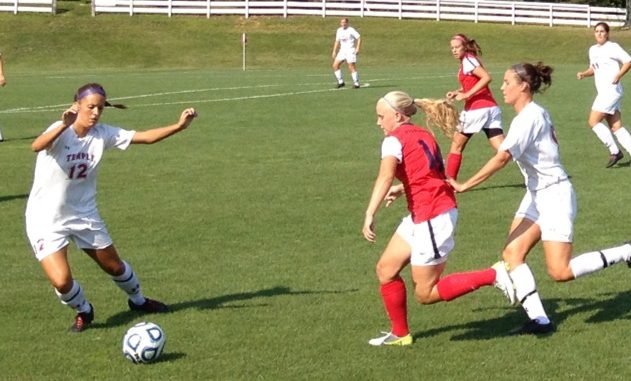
[2,81]
[393,193]
[451,94]
[456,185]
[187,117]
[369,229]
[460,96]
[580,75]
[69,116]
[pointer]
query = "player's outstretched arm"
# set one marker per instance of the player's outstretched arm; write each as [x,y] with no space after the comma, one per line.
[154,135]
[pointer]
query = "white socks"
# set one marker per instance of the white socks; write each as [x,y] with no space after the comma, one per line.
[74,298]
[597,260]
[128,282]
[355,77]
[527,295]
[338,76]
[624,138]
[604,134]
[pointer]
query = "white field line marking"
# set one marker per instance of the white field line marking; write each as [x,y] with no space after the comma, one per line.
[63,106]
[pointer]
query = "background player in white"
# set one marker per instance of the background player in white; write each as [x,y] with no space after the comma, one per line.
[608,63]
[348,41]
[547,211]
[62,203]
[2,83]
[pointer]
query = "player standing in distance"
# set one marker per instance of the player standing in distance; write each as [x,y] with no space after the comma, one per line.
[548,209]
[608,63]
[2,83]
[62,203]
[480,109]
[348,41]
[425,237]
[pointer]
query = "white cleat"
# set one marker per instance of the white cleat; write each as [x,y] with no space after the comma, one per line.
[390,339]
[504,282]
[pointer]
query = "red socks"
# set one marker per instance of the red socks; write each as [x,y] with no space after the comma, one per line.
[395,300]
[458,284]
[453,165]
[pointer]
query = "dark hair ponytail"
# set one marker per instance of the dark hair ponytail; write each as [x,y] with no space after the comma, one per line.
[535,75]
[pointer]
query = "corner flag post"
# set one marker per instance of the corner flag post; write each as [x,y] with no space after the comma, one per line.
[244,42]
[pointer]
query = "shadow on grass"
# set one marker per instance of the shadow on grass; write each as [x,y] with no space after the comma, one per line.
[170,356]
[125,317]
[13,197]
[23,138]
[615,308]
[520,185]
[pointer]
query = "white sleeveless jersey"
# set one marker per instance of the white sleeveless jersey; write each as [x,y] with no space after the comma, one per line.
[606,60]
[532,142]
[347,38]
[64,184]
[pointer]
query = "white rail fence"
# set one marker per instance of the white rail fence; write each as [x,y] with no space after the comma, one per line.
[514,12]
[19,6]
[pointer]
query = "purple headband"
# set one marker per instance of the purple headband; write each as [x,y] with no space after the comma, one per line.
[89,91]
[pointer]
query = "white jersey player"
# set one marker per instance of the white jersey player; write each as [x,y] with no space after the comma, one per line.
[346,48]
[62,203]
[547,211]
[608,63]
[2,83]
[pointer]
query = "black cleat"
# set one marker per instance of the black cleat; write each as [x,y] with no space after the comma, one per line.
[533,327]
[613,159]
[341,85]
[82,321]
[149,306]
[356,85]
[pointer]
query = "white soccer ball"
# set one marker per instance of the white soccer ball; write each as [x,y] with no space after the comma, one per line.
[144,342]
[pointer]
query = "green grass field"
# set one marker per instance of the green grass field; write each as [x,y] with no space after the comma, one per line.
[249,223]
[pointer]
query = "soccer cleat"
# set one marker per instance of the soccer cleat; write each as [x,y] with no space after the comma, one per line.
[613,159]
[82,321]
[149,306]
[533,327]
[341,84]
[503,281]
[628,260]
[356,85]
[389,339]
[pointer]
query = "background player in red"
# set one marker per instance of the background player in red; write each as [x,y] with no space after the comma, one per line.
[424,238]
[480,109]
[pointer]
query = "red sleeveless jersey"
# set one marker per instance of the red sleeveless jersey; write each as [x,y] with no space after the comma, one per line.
[422,173]
[481,99]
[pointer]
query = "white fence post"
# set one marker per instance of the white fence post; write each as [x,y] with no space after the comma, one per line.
[476,17]
[437,10]
[551,16]
[513,14]
[323,8]
[207,9]
[247,9]
[285,9]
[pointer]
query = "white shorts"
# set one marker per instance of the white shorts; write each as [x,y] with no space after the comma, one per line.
[607,103]
[431,241]
[349,57]
[86,232]
[553,209]
[473,121]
